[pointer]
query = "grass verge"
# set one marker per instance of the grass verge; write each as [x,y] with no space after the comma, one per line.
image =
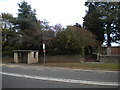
[85,65]
[93,66]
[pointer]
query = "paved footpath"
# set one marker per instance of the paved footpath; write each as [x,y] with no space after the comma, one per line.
[96,78]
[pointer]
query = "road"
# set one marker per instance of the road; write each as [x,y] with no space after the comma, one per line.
[27,76]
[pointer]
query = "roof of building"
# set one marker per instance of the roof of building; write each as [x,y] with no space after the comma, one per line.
[25,50]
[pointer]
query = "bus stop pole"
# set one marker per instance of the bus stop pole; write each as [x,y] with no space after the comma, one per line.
[44,51]
[44,56]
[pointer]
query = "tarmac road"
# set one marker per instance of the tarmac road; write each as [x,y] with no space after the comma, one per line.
[27,76]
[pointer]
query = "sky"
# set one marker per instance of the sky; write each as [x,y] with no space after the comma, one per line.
[64,12]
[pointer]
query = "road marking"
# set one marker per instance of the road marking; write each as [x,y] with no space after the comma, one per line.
[7,65]
[62,80]
[39,69]
[11,66]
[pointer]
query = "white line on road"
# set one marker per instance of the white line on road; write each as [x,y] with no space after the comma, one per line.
[61,80]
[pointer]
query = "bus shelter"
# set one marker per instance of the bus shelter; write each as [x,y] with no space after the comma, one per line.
[25,56]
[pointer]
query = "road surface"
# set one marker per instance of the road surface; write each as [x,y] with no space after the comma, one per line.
[27,76]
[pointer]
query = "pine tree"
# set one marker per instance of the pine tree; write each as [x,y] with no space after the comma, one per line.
[9,36]
[28,27]
[26,17]
[101,18]
[92,21]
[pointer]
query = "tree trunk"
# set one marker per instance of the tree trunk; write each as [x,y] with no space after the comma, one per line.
[82,54]
[108,34]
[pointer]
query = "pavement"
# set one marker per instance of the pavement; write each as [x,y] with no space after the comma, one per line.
[52,77]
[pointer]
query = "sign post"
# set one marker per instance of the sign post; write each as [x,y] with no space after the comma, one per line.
[44,51]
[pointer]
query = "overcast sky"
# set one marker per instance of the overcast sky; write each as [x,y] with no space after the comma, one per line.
[64,12]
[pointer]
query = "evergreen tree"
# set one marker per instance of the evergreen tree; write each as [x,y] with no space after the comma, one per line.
[9,36]
[29,27]
[101,18]
[92,21]
[26,17]
[109,11]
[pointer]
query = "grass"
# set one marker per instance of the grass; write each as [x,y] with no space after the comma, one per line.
[85,65]
[7,60]
[93,66]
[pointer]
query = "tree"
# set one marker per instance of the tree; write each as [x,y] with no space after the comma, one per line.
[109,11]
[74,40]
[85,39]
[9,36]
[48,36]
[101,18]
[92,21]
[26,17]
[29,27]
[116,37]
[45,25]
[57,27]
